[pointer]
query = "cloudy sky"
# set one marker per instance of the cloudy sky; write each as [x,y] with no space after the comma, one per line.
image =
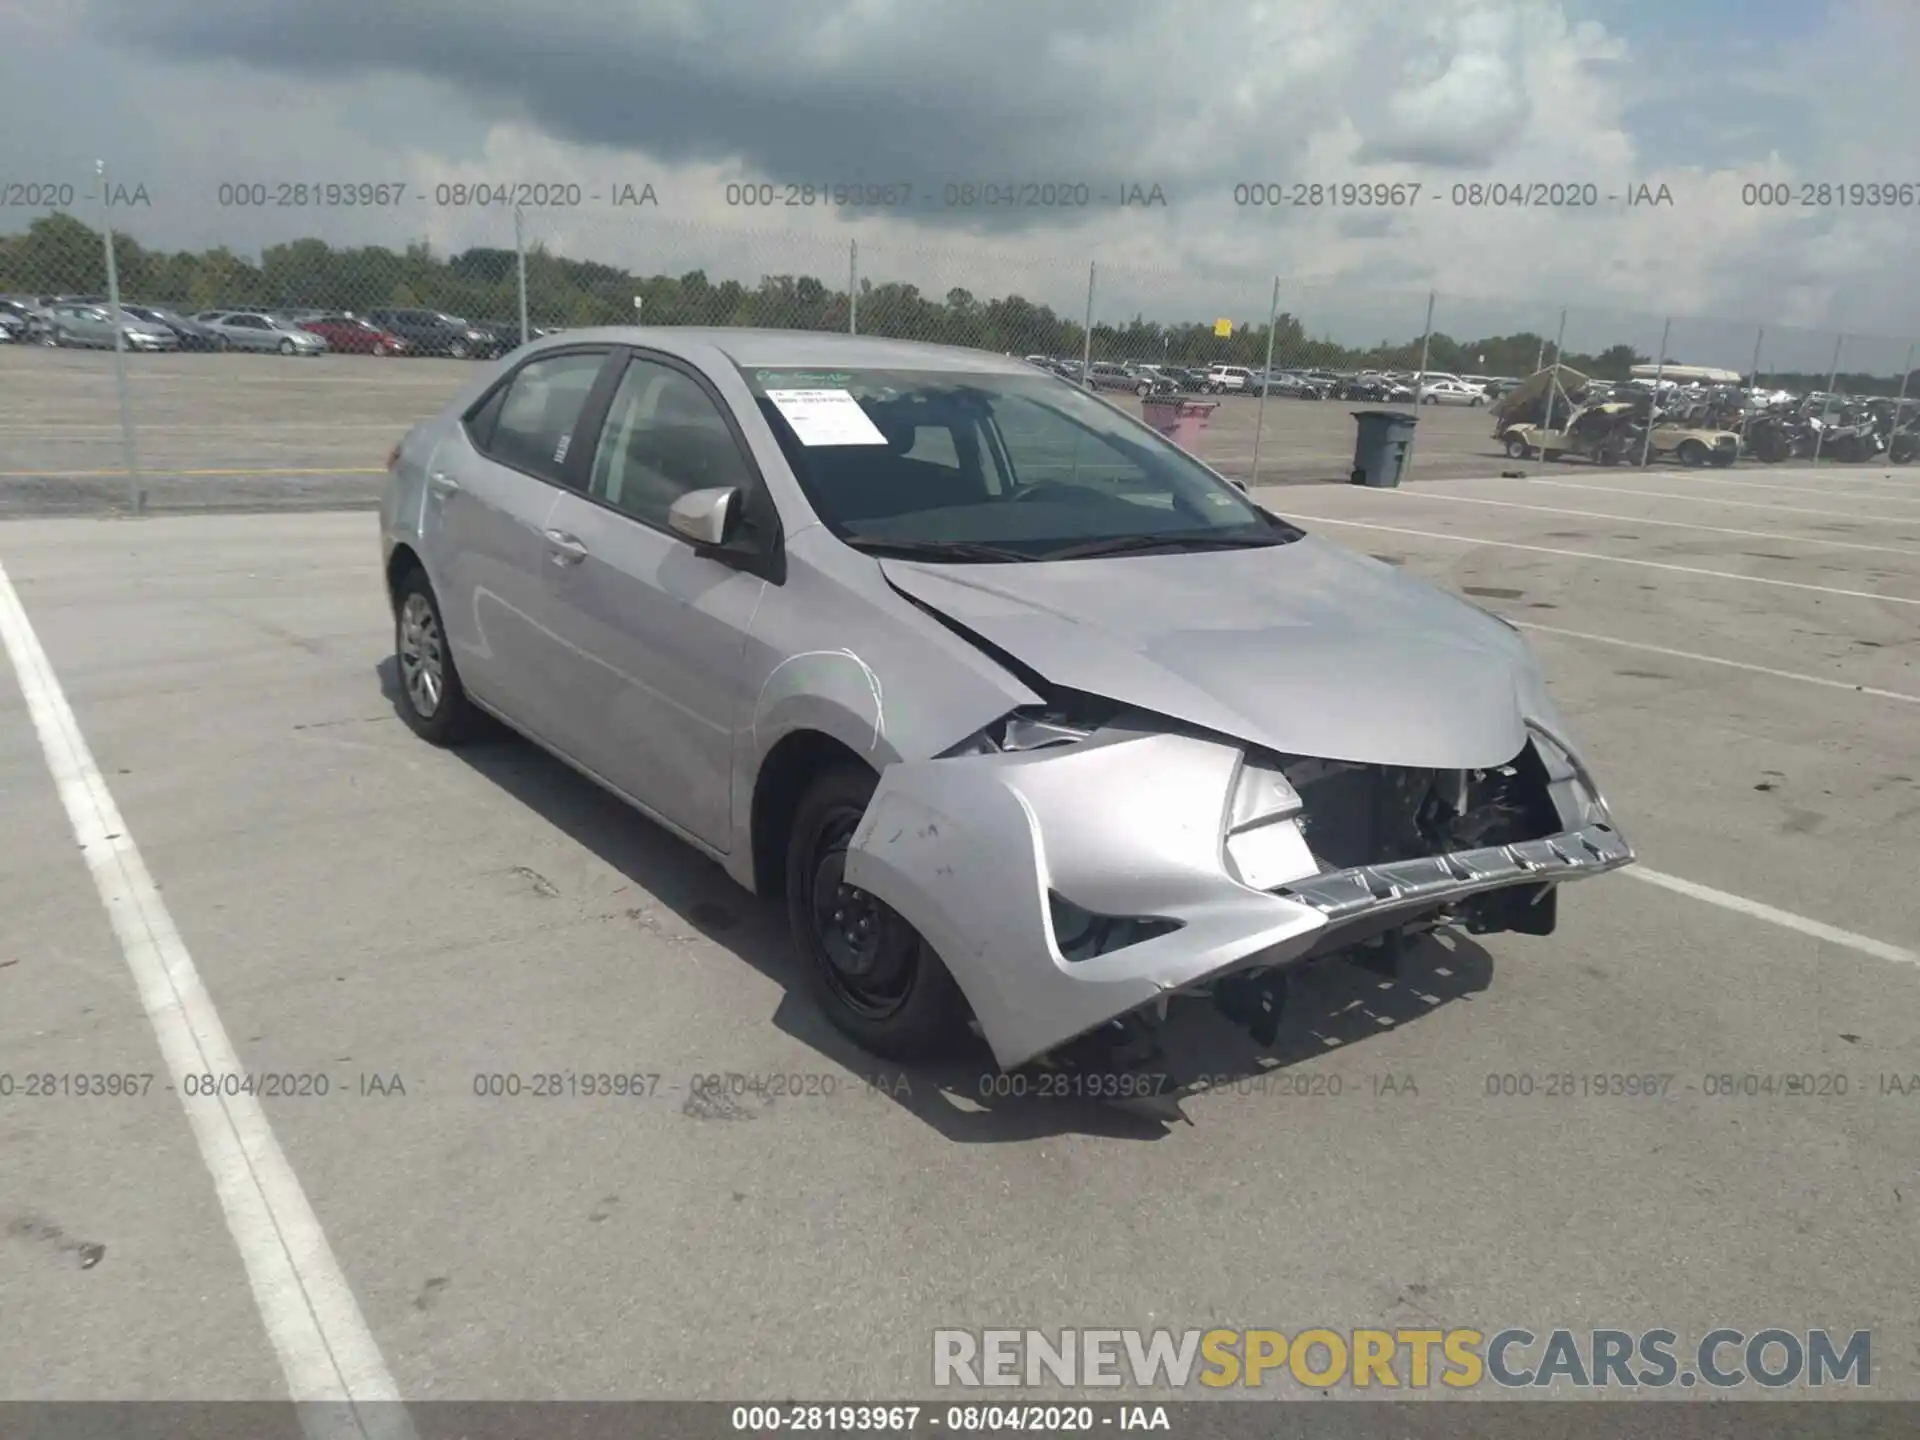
[1703,97]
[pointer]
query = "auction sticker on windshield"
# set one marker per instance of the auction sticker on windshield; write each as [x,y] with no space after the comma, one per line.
[826,417]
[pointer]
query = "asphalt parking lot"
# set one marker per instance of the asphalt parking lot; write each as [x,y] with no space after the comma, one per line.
[207,701]
[264,432]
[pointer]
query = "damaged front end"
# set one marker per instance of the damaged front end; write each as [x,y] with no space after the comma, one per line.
[1072,868]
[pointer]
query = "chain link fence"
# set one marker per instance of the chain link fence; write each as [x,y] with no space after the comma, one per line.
[197,377]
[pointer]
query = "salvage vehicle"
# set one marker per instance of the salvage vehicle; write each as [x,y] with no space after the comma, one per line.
[1032,721]
[1554,415]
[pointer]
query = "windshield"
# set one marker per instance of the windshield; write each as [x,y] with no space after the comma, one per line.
[993,467]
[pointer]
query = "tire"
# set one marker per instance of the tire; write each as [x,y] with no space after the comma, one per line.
[458,350]
[381,350]
[59,338]
[1143,391]
[222,344]
[446,718]
[1517,448]
[905,1006]
[1693,453]
[286,347]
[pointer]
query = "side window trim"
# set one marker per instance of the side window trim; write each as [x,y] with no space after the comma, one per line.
[601,391]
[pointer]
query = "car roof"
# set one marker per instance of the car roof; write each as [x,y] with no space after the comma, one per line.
[752,348]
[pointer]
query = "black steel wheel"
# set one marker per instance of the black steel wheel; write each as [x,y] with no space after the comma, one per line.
[874,976]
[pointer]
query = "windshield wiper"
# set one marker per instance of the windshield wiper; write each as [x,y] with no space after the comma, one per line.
[933,549]
[1191,540]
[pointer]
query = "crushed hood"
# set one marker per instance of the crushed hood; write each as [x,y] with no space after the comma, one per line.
[1306,648]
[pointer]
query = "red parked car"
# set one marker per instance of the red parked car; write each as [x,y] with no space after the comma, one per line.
[354,335]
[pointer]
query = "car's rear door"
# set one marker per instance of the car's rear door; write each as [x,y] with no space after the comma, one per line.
[655,627]
[492,484]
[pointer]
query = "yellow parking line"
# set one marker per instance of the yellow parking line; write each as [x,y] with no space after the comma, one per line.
[121,474]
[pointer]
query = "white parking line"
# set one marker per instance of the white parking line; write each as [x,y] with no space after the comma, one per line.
[1802,490]
[1611,559]
[1822,680]
[1853,515]
[1865,944]
[326,1351]
[1669,524]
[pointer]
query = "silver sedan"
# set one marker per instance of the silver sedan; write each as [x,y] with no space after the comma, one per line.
[1032,721]
[254,330]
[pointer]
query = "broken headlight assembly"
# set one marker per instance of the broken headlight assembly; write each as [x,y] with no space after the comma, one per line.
[1263,845]
[1037,728]
[1574,793]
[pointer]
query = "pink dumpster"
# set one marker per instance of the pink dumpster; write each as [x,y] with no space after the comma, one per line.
[1179,419]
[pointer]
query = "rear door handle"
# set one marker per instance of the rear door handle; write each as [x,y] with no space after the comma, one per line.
[566,549]
[441,483]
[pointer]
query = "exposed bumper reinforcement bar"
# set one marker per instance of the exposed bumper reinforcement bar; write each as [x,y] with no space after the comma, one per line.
[1369,890]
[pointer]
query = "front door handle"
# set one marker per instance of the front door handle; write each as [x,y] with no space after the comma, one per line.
[566,549]
[441,483]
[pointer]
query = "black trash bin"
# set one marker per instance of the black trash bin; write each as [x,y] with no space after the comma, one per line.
[1381,447]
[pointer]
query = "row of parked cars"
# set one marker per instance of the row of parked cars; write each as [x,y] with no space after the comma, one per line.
[1145,378]
[87,322]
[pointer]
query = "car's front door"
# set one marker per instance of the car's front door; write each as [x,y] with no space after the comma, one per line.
[492,484]
[656,628]
[249,332]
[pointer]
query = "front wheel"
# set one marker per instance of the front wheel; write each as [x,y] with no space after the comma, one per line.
[1516,448]
[459,350]
[1143,391]
[1693,454]
[433,702]
[876,979]
[286,347]
[60,338]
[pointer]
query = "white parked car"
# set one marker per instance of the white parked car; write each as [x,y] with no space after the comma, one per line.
[1235,378]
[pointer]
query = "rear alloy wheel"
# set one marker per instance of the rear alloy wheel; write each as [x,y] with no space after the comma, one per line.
[381,349]
[1143,390]
[874,977]
[1516,448]
[433,702]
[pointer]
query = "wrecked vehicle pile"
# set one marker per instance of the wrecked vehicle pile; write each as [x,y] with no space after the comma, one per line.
[1035,722]
[1554,414]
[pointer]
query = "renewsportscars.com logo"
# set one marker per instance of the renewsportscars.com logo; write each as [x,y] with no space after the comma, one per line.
[1322,1358]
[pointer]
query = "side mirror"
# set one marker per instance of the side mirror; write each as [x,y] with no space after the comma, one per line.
[705,517]
[1239,485]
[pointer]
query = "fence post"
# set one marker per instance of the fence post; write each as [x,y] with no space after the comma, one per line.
[1826,405]
[853,287]
[1260,415]
[1554,392]
[129,444]
[1900,400]
[520,268]
[1086,339]
[1426,338]
[1653,409]
[1753,383]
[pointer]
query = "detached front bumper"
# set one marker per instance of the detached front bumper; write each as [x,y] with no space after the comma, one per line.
[985,854]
